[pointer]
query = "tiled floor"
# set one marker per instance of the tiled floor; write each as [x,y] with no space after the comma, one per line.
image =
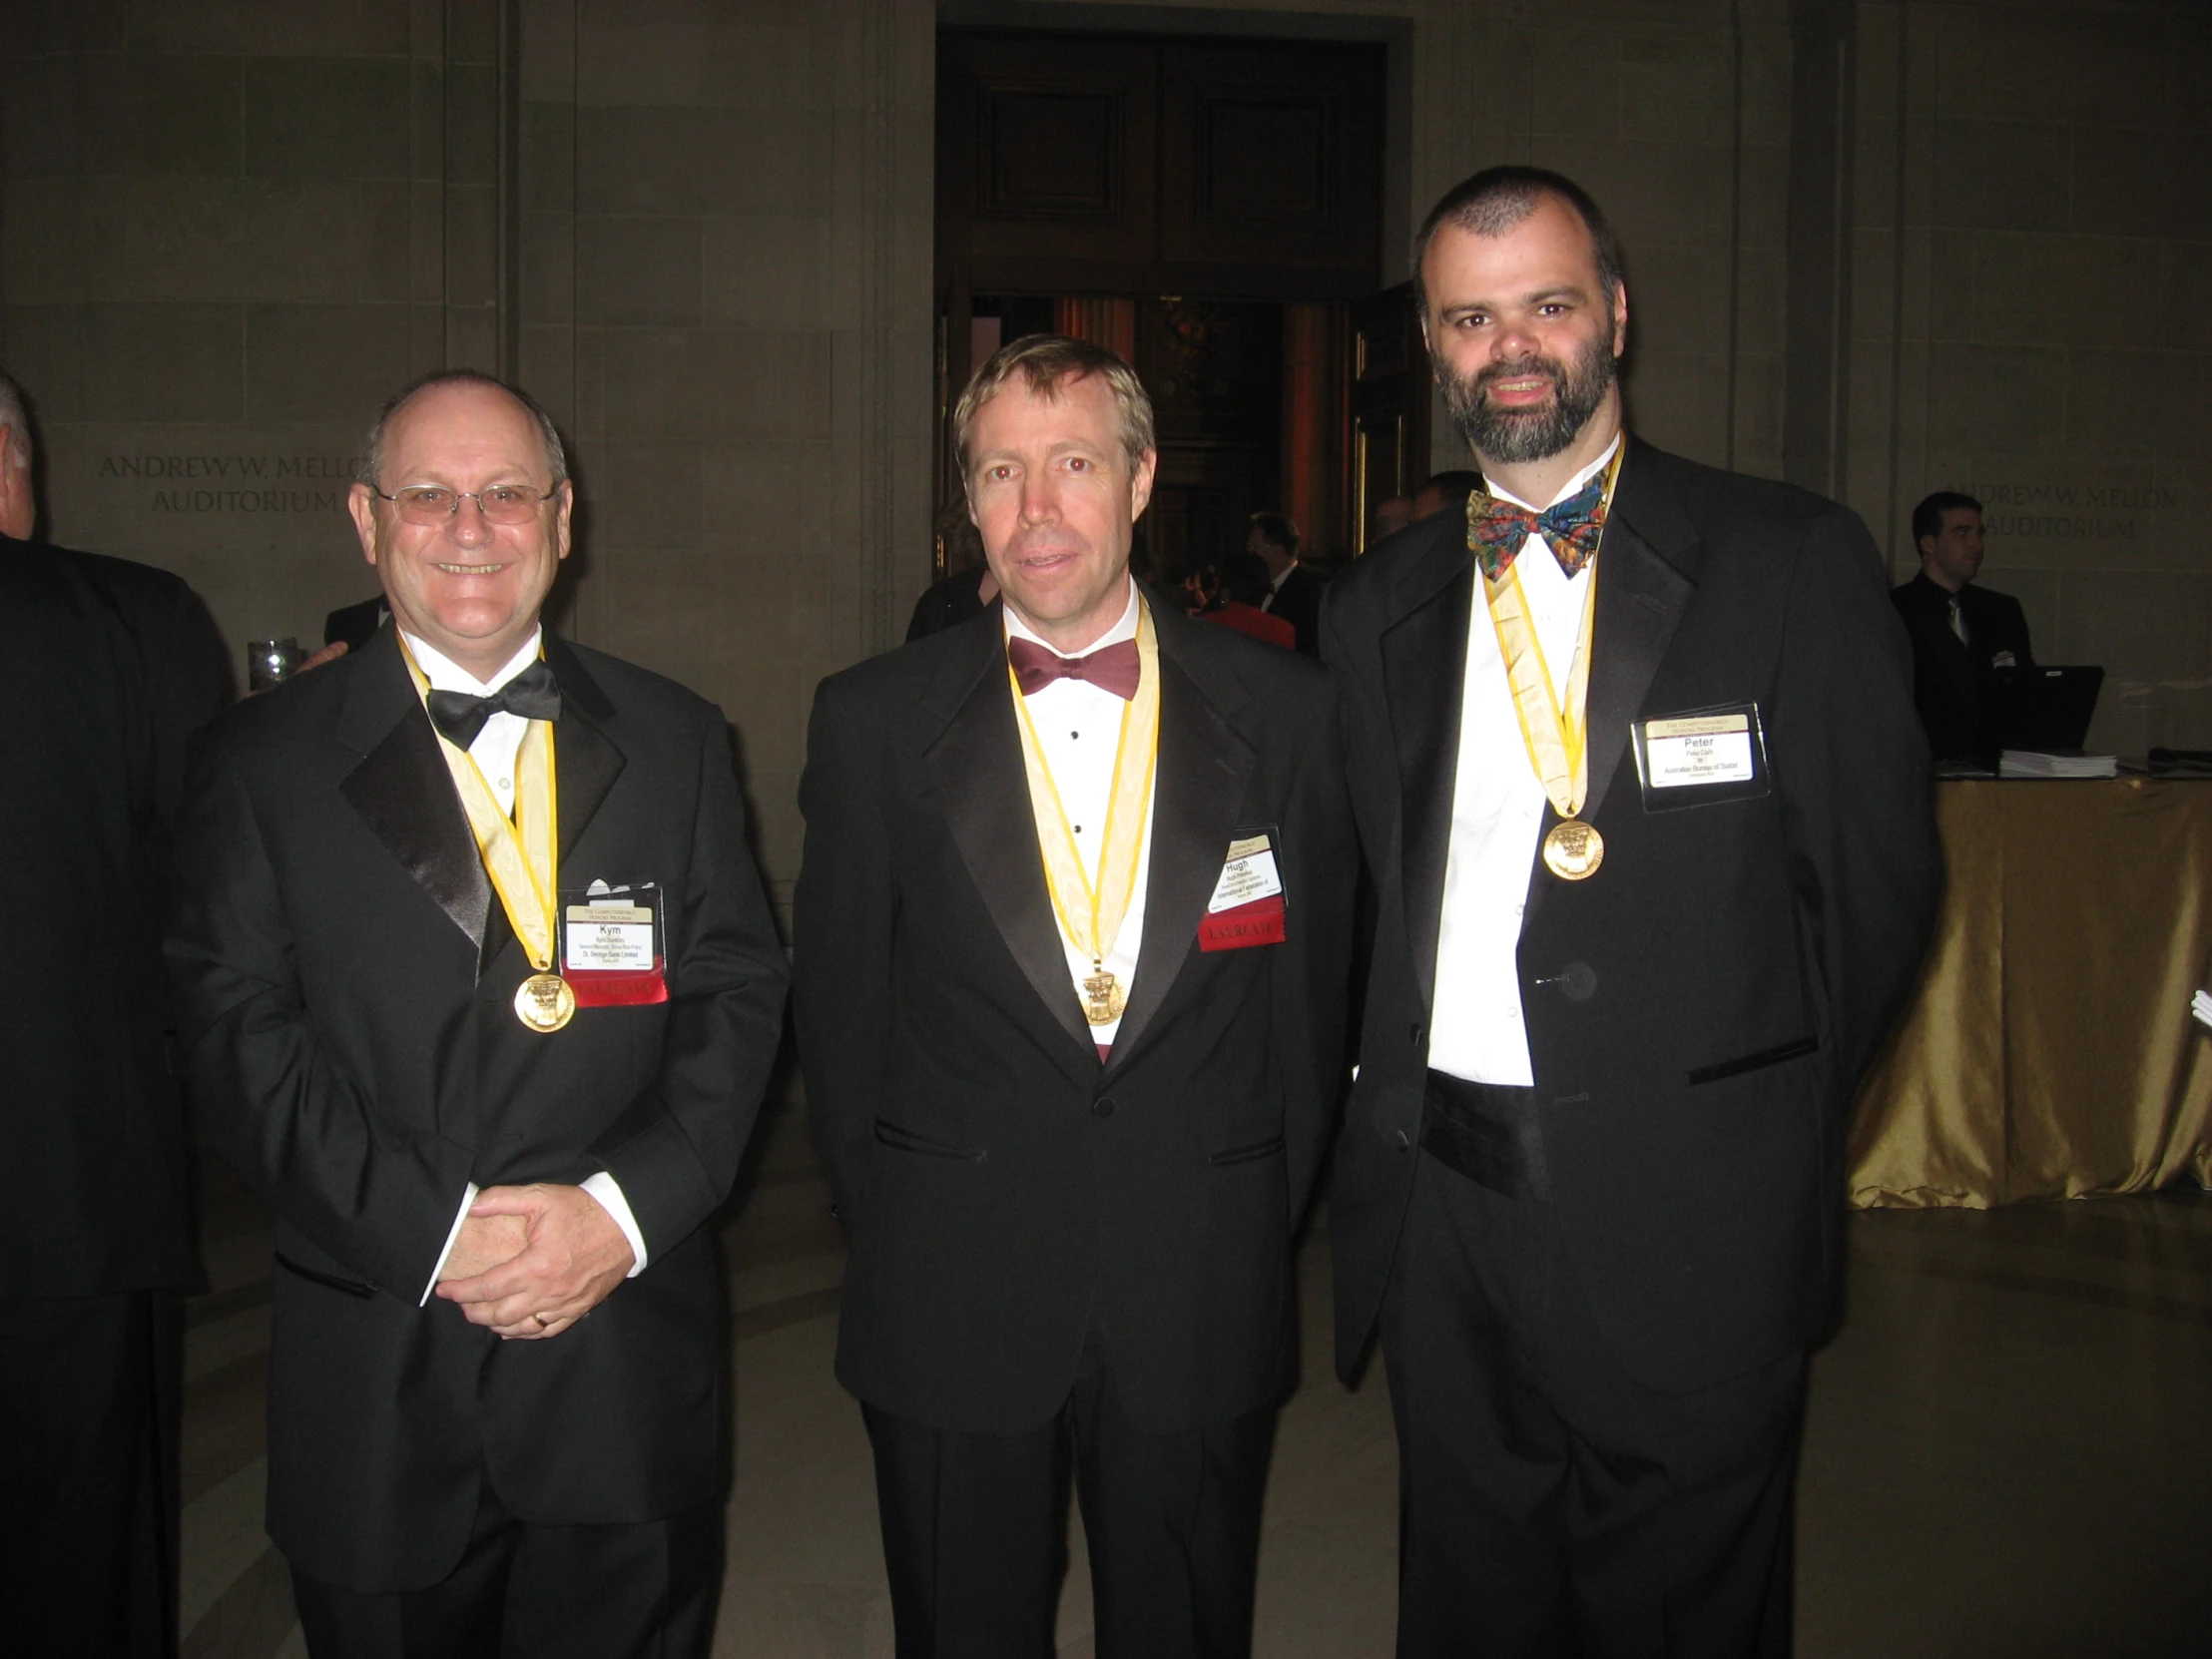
[2009,1452]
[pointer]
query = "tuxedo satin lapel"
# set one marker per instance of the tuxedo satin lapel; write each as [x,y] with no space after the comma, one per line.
[586,762]
[1642,591]
[1646,575]
[1425,670]
[1205,768]
[976,766]
[403,792]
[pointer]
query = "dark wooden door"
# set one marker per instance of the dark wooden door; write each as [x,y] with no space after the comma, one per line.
[1115,164]
[1209,182]
[1389,404]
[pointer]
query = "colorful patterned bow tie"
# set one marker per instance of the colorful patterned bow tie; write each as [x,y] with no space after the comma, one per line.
[1115,669]
[1499,530]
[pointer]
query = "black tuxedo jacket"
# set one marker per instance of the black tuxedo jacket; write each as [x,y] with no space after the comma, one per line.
[1954,681]
[107,667]
[1004,1190]
[345,978]
[1739,960]
[1298,602]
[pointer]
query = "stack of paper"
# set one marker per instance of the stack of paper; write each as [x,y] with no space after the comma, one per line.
[2201,1007]
[2029,762]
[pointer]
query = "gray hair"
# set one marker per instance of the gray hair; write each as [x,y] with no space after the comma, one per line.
[17,419]
[373,447]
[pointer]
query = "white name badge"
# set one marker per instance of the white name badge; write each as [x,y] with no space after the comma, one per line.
[1709,749]
[1249,874]
[1701,756]
[610,938]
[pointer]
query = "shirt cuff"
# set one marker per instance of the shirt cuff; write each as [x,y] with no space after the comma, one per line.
[608,1191]
[452,1238]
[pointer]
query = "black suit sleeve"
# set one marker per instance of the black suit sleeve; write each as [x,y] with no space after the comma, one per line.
[1321,864]
[1852,765]
[189,674]
[1298,602]
[675,1149]
[277,1106]
[842,916]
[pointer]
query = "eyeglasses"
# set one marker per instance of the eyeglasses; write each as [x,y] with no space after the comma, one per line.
[434,504]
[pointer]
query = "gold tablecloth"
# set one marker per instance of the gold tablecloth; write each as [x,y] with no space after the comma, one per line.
[2051,1052]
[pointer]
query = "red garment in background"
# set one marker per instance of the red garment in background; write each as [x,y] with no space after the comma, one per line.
[1250,618]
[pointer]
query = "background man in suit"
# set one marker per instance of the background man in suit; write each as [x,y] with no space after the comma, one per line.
[108,666]
[1963,635]
[1071,1045]
[441,1075]
[1643,915]
[1294,592]
[1442,491]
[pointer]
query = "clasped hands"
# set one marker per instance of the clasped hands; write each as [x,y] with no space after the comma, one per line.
[532,1261]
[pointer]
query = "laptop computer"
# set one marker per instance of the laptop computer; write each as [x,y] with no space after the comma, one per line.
[2047,710]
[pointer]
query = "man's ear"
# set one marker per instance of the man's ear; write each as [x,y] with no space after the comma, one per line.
[1620,319]
[18,506]
[362,506]
[1140,483]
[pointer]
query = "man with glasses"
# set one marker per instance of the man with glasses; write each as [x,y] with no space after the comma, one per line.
[479,992]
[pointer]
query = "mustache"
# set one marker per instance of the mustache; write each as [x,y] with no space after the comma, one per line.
[1526,369]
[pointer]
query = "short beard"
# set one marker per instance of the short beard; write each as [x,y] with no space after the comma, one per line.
[1515,436]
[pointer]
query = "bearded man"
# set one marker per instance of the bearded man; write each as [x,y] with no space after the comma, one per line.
[1636,768]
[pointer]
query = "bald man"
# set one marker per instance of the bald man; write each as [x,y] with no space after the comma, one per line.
[478,990]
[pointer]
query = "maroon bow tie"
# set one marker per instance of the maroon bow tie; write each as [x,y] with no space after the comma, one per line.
[1113,669]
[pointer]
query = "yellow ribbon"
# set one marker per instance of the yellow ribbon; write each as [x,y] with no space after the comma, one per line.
[522,854]
[1128,810]
[1554,729]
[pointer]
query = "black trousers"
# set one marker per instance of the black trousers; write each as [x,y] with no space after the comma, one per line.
[1552,1507]
[644,1591]
[89,1393]
[975,1530]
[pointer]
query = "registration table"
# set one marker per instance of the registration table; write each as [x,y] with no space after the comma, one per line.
[2049,1052]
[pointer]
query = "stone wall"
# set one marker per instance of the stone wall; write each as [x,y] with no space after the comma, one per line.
[1875,248]
[726,297]
[2031,321]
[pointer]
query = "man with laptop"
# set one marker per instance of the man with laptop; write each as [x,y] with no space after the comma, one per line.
[1964,638]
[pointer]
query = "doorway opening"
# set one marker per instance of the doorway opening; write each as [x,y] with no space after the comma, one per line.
[1211,209]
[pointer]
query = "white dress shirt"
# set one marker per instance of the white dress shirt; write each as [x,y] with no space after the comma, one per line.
[495,753]
[1078,726]
[1497,814]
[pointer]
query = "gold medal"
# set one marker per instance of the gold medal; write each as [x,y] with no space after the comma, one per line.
[1079,899]
[1573,850]
[1103,999]
[544,1003]
[521,854]
[1554,718]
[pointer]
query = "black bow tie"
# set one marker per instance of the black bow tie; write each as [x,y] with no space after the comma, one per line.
[533,694]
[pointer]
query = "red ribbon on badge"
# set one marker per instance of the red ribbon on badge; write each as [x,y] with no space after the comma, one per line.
[1244,925]
[607,988]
